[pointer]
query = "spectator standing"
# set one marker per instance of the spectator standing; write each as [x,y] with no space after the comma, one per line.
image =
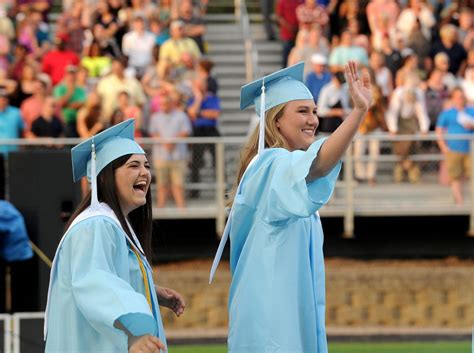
[110,86]
[204,110]
[288,22]
[441,64]
[48,124]
[457,120]
[333,103]
[267,7]
[70,98]
[382,17]
[407,115]
[11,123]
[96,62]
[373,123]
[26,85]
[138,45]
[170,158]
[417,12]
[318,77]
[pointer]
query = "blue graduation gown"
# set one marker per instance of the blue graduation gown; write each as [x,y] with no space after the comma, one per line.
[277,294]
[96,280]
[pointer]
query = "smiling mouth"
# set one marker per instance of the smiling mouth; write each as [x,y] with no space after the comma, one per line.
[309,132]
[140,187]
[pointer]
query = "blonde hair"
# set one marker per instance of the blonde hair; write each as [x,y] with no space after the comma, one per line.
[273,139]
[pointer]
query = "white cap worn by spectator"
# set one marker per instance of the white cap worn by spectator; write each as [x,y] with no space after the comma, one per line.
[319,59]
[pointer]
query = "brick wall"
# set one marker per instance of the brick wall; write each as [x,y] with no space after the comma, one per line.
[406,296]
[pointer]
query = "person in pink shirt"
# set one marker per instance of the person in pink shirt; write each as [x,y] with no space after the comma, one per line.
[32,106]
[55,62]
[311,13]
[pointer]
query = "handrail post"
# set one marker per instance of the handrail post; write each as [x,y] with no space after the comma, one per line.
[470,233]
[220,188]
[349,181]
[238,10]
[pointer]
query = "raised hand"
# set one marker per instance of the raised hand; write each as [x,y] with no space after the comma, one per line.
[359,88]
[171,299]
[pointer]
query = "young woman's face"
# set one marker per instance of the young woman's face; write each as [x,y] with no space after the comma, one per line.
[298,124]
[132,181]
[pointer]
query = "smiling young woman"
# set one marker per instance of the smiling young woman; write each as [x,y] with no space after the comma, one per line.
[102,297]
[277,294]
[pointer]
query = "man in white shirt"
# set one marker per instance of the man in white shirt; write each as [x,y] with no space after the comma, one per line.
[138,45]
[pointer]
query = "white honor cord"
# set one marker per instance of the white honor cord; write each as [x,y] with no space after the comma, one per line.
[220,249]
[94,199]
[261,132]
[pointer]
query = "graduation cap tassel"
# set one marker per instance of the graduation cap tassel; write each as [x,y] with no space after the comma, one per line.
[261,134]
[94,199]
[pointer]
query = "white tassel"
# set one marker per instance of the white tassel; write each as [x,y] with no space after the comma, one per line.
[261,134]
[94,199]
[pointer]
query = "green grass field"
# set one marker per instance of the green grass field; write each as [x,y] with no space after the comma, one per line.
[436,347]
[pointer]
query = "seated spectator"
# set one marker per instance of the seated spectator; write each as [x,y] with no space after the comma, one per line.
[318,77]
[419,44]
[95,61]
[7,27]
[138,45]
[346,51]
[436,95]
[74,21]
[104,16]
[333,103]
[88,117]
[126,110]
[161,33]
[373,123]
[111,85]
[11,123]
[32,106]
[382,75]
[467,85]
[310,13]
[19,60]
[171,52]
[456,120]
[392,57]
[26,85]
[466,24]
[108,45]
[308,43]
[5,82]
[47,124]
[170,159]
[441,63]
[70,98]
[194,26]
[407,115]
[55,62]
[204,110]
[450,45]
[409,68]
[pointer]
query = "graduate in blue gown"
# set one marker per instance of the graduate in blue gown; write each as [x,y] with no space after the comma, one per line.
[277,294]
[101,295]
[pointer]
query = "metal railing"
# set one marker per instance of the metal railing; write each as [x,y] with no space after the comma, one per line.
[217,166]
[252,70]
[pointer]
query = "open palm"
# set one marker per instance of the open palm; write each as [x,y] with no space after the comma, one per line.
[359,88]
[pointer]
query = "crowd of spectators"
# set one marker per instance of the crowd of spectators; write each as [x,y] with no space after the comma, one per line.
[101,62]
[418,52]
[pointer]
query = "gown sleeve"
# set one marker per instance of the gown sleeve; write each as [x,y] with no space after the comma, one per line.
[289,195]
[101,295]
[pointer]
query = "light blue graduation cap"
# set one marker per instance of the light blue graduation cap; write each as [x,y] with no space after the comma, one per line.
[95,153]
[279,87]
